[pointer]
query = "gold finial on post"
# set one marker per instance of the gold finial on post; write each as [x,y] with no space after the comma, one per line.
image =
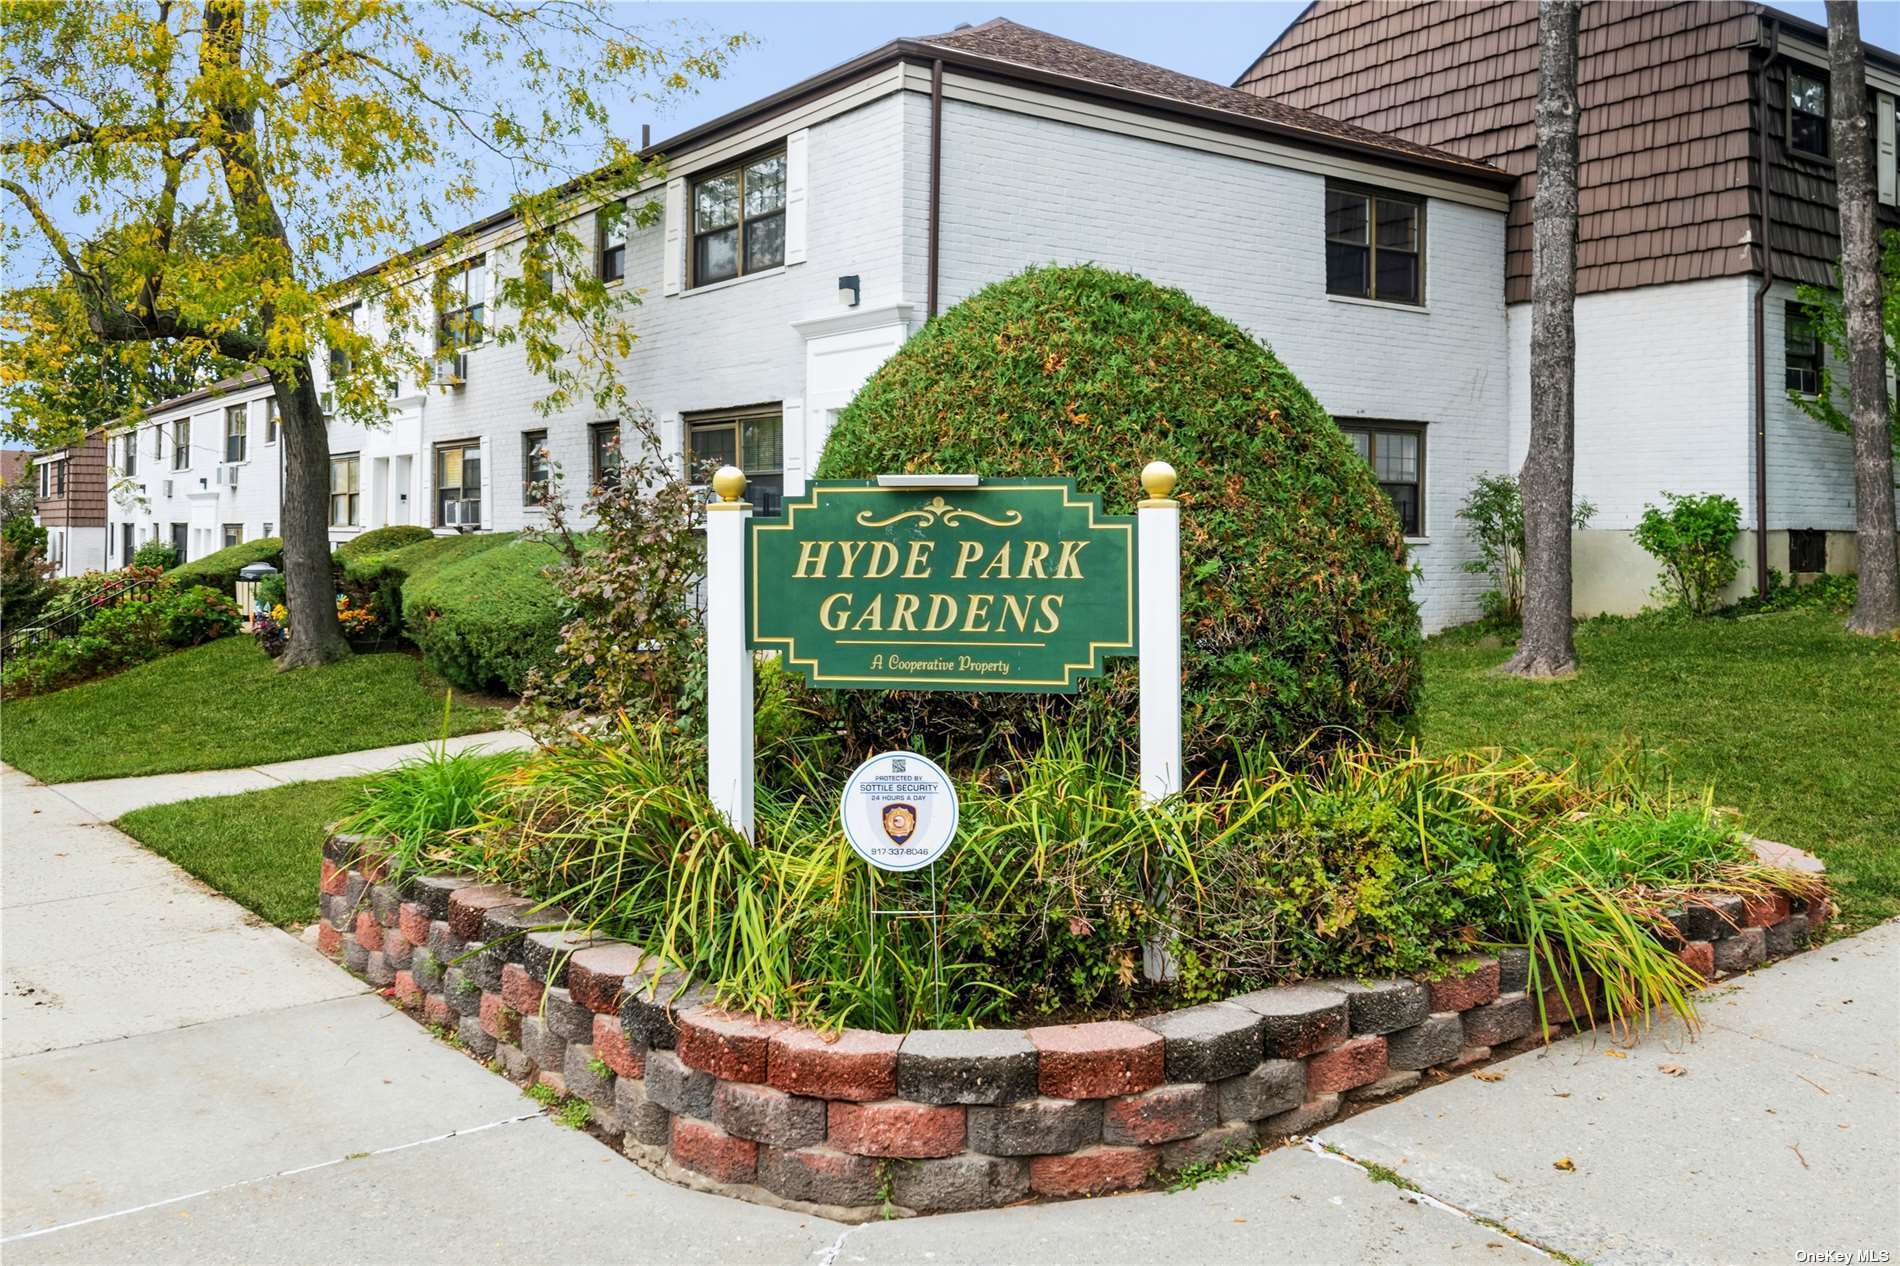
[1158,479]
[728,483]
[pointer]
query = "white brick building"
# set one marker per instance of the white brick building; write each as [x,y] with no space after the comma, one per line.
[1044,150]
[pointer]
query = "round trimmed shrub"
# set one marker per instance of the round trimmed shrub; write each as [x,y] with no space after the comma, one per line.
[378,540]
[489,618]
[1297,608]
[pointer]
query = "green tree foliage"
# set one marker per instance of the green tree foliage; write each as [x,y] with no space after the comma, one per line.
[1495,510]
[1694,541]
[1297,611]
[1822,307]
[318,138]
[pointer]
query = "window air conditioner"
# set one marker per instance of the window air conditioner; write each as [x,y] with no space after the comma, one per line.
[451,371]
[228,476]
[168,487]
[451,513]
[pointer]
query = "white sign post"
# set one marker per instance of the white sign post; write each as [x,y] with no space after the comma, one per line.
[1158,597]
[728,658]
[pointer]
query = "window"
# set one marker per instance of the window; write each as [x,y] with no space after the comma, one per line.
[237,419]
[270,424]
[181,444]
[461,295]
[739,220]
[612,224]
[126,547]
[458,485]
[233,534]
[46,480]
[1803,353]
[753,441]
[158,442]
[1375,246]
[1807,113]
[1396,452]
[267,530]
[129,453]
[346,486]
[59,478]
[340,356]
[534,468]
[1807,550]
[181,541]
[603,445]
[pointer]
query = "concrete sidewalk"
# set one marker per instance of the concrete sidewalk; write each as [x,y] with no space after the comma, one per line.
[222,1094]
[112,798]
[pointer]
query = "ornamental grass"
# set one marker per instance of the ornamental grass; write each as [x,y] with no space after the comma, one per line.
[1352,862]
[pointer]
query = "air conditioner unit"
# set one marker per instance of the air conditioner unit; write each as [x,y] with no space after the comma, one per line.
[451,513]
[451,371]
[228,476]
[326,401]
[168,487]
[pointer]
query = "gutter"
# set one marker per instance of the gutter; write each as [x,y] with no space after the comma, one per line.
[936,184]
[1772,44]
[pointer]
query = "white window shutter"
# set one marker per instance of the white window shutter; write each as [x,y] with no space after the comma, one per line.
[793,444]
[797,167]
[1885,152]
[673,269]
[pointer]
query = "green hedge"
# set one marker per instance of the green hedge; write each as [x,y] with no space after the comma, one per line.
[489,618]
[220,570]
[382,540]
[1296,604]
[477,605]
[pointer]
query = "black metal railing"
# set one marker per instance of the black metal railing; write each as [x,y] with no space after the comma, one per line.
[66,620]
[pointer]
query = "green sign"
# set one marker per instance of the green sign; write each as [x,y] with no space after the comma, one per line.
[1014,584]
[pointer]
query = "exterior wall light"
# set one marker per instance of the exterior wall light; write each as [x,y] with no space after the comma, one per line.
[848,291]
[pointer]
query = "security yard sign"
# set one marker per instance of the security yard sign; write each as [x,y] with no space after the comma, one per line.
[899,811]
[1008,585]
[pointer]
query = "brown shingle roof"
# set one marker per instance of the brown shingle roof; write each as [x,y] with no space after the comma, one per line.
[1011,42]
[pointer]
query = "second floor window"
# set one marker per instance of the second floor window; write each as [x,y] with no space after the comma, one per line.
[181,444]
[346,486]
[1375,246]
[1804,354]
[270,425]
[752,440]
[129,449]
[613,241]
[1807,113]
[461,305]
[534,468]
[739,220]
[236,423]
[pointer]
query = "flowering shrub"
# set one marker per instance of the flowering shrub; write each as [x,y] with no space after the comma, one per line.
[357,621]
[136,629]
[198,614]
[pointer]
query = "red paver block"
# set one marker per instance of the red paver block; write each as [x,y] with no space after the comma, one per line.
[1359,1061]
[855,1064]
[1766,910]
[332,878]
[369,933]
[329,940]
[414,922]
[1093,1171]
[597,975]
[616,1050]
[1161,1115]
[896,1128]
[1097,1061]
[406,990]
[729,1045]
[1472,982]
[435,1010]
[704,1148]
[499,1020]
[1700,957]
[520,990]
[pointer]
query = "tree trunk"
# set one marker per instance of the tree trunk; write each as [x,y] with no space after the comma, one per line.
[1877,608]
[310,589]
[1547,480]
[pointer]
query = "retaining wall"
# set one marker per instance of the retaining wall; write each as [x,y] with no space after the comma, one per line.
[852,1124]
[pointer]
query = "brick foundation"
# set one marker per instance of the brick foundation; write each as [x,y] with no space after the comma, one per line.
[856,1124]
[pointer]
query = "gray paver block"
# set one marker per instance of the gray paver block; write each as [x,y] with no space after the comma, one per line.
[1384,1006]
[963,1181]
[680,1090]
[968,1066]
[565,1018]
[1208,1043]
[1268,1088]
[1434,1040]
[1297,1020]
[1741,950]
[583,1079]
[1035,1127]
[1514,969]
[642,1120]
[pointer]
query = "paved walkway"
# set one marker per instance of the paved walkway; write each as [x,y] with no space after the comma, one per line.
[184,1085]
[112,798]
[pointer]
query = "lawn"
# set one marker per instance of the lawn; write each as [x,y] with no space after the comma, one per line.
[224,705]
[260,848]
[1790,719]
